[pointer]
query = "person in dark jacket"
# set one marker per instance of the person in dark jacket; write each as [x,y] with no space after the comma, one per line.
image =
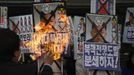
[10,56]
[129,68]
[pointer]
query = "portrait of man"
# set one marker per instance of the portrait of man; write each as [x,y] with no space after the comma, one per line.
[82,28]
[45,14]
[129,24]
[98,31]
[106,7]
[130,21]
[129,17]
[62,21]
[79,33]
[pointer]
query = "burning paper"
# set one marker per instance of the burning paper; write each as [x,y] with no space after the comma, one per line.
[52,29]
[46,39]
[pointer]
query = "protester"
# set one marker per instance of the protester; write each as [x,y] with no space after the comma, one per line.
[10,56]
[129,68]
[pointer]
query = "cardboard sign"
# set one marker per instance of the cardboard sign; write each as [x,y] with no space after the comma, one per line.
[101,28]
[128,35]
[79,31]
[51,18]
[3,17]
[101,56]
[23,26]
[106,7]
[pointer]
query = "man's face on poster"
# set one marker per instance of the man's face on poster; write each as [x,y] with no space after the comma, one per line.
[81,21]
[52,20]
[131,20]
[62,17]
[98,38]
[82,24]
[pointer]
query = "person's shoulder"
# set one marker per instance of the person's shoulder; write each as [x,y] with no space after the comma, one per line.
[18,69]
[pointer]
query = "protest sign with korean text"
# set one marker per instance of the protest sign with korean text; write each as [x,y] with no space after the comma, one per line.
[101,56]
[23,26]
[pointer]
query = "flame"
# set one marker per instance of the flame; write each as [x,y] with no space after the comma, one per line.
[46,38]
